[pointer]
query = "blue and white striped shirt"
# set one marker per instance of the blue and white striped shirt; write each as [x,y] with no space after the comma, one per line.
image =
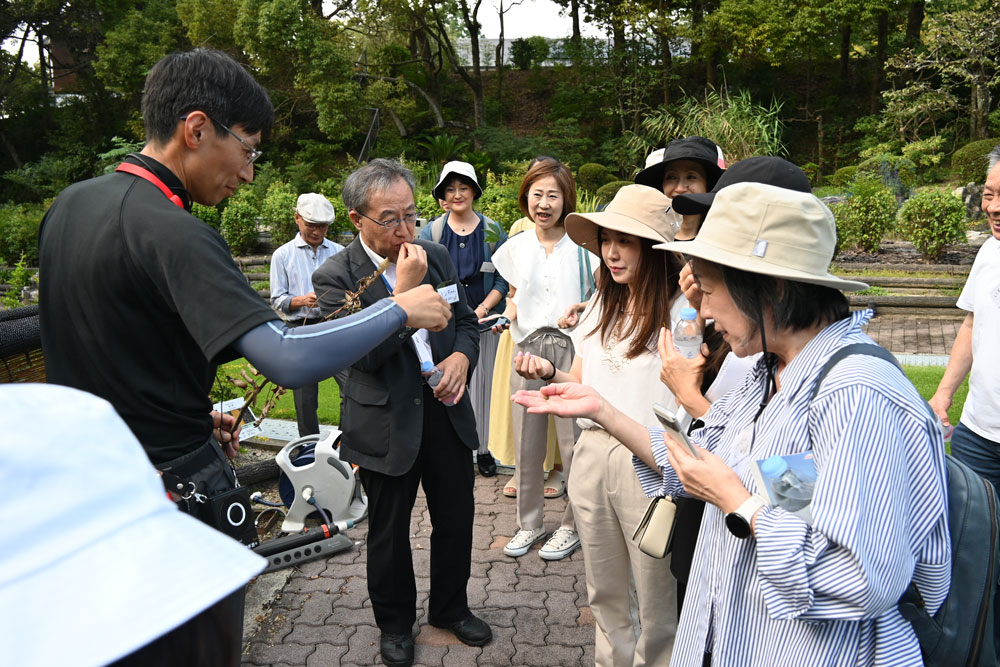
[292,266]
[823,594]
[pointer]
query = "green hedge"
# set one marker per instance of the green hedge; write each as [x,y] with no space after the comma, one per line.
[933,220]
[968,163]
[895,171]
[843,176]
[867,216]
[591,176]
[239,223]
[19,225]
[607,192]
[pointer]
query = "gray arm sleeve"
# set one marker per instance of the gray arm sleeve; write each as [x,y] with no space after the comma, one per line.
[307,354]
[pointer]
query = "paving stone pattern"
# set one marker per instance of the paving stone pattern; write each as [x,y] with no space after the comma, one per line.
[913,335]
[537,609]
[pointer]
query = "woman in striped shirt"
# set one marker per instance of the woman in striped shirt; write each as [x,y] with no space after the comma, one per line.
[768,587]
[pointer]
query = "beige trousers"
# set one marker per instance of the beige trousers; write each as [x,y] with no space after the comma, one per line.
[531,431]
[632,595]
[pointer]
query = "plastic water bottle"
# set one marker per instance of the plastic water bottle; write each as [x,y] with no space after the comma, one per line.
[688,334]
[792,491]
[434,378]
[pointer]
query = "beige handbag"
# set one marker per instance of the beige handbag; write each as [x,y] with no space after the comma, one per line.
[654,532]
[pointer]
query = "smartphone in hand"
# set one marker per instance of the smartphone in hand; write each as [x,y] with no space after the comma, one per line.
[492,321]
[673,427]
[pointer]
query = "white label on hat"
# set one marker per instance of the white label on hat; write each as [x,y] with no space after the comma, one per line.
[759,248]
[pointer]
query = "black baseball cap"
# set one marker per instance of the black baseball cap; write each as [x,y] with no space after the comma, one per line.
[695,148]
[765,169]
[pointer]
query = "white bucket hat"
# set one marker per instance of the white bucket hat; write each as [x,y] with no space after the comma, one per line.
[638,210]
[95,561]
[315,209]
[769,230]
[456,168]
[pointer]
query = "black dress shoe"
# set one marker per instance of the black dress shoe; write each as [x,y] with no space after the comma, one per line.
[471,630]
[487,465]
[397,650]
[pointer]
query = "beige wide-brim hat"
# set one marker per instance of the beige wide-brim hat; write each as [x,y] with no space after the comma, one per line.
[636,209]
[769,230]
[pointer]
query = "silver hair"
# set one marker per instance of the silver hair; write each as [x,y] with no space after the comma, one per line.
[993,158]
[379,174]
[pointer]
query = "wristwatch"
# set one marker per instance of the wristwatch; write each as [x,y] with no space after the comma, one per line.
[738,522]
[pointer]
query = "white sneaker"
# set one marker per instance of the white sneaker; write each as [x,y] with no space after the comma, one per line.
[563,542]
[522,541]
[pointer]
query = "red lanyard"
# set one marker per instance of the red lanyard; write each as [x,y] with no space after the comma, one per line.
[147,175]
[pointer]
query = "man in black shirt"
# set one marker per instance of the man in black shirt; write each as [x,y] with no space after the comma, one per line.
[141,301]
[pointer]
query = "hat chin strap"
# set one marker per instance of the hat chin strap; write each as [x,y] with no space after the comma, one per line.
[770,384]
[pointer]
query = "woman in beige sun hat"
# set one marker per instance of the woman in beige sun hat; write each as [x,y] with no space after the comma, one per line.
[771,584]
[637,292]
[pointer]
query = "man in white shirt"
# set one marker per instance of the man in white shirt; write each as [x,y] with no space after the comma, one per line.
[976,439]
[292,266]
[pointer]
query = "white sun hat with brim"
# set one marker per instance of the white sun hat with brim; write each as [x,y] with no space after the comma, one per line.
[769,230]
[456,168]
[95,561]
[315,209]
[636,209]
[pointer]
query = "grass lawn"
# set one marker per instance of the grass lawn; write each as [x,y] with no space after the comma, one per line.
[925,378]
[329,398]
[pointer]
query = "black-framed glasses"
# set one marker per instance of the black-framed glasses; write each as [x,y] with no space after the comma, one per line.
[252,153]
[409,218]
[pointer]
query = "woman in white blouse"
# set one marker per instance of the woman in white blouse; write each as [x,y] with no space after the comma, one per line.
[637,293]
[546,272]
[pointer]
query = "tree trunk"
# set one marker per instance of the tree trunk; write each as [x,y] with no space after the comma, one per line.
[845,54]
[914,21]
[881,50]
[666,58]
[475,82]
[499,64]
[574,11]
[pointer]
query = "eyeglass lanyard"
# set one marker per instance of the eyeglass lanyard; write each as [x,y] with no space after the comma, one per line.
[147,175]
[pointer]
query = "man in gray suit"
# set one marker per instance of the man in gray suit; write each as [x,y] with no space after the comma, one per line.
[397,428]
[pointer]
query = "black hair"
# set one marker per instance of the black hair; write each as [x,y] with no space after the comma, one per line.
[464,180]
[210,639]
[203,80]
[793,305]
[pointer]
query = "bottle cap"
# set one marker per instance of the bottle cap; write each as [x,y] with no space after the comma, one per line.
[689,313]
[426,367]
[774,466]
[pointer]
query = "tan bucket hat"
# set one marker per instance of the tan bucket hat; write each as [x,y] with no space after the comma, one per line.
[636,209]
[769,230]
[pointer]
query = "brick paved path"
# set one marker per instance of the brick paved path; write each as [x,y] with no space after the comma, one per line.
[914,335]
[537,609]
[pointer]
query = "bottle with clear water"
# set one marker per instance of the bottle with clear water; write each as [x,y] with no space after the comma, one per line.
[688,334]
[792,490]
[434,378]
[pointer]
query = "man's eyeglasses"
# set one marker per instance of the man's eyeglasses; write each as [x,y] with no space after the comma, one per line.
[409,218]
[251,153]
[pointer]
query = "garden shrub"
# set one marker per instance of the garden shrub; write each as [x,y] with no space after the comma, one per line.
[895,171]
[19,225]
[867,216]
[208,214]
[843,176]
[499,200]
[239,223]
[529,52]
[811,170]
[933,220]
[20,278]
[607,192]
[278,212]
[591,176]
[968,163]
